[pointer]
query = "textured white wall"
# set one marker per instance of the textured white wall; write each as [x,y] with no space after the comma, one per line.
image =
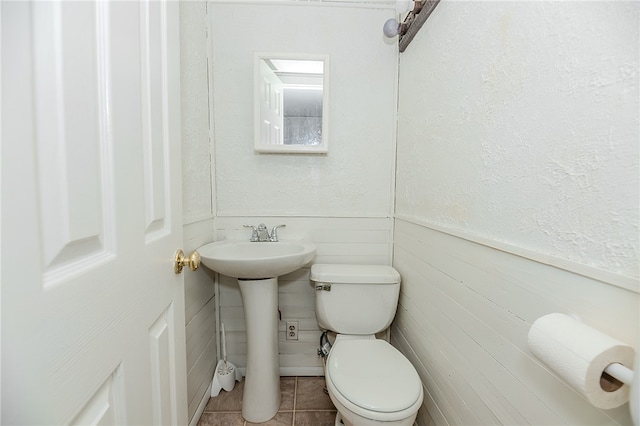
[355,178]
[197,191]
[518,129]
[200,304]
[519,123]
[341,201]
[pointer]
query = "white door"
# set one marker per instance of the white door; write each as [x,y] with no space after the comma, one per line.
[92,313]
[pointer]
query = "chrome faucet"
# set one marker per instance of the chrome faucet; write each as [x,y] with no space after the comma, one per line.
[261,233]
[274,233]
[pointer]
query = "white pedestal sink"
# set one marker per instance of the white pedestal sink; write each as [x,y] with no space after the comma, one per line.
[257,266]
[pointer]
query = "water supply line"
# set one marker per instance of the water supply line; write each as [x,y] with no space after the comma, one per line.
[325,346]
[323,352]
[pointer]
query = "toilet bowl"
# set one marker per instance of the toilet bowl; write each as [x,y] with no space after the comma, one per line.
[369,381]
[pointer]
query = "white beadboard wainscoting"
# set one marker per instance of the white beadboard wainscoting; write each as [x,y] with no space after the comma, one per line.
[200,318]
[464,314]
[339,240]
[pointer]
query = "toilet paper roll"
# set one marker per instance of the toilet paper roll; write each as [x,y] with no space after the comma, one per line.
[579,354]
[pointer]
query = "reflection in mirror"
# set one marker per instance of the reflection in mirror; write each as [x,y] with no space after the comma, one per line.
[291,102]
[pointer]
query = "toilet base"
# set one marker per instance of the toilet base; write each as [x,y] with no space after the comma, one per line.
[352,419]
[339,421]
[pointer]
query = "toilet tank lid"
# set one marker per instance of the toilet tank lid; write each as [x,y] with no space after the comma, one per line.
[354,274]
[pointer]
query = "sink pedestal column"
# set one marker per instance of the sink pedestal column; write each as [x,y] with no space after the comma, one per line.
[261,397]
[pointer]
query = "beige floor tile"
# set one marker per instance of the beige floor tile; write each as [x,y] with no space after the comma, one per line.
[227,401]
[221,419]
[280,419]
[310,394]
[315,418]
[287,392]
[304,403]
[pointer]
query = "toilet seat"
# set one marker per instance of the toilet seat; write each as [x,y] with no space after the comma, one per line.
[373,379]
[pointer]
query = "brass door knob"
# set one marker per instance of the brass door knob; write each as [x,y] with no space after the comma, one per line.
[180,261]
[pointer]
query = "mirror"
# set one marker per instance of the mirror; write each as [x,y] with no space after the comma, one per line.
[291,103]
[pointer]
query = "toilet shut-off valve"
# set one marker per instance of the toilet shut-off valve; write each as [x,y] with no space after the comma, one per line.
[325,345]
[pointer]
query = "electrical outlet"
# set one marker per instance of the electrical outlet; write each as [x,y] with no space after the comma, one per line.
[292,330]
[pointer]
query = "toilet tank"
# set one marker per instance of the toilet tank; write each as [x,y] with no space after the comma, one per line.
[355,299]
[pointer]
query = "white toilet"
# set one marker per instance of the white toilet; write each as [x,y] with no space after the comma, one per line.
[369,381]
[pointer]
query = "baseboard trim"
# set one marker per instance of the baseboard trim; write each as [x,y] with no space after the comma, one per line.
[301,371]
[205,399]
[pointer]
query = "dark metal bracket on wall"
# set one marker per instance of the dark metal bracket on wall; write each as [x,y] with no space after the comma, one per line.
[414,21]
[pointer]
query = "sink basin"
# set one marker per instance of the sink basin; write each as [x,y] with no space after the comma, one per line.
[256,260]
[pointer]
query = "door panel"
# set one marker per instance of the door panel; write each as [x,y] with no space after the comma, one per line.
[106,406]
[163,378]
[73,175]
[92,313]
[154,116]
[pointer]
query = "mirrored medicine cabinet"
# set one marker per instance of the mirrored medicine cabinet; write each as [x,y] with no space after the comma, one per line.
[291,103]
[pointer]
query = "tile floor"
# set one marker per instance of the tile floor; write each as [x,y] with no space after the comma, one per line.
[304,403]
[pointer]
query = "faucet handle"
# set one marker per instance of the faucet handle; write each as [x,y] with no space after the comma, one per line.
[254,233]
[274,233]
